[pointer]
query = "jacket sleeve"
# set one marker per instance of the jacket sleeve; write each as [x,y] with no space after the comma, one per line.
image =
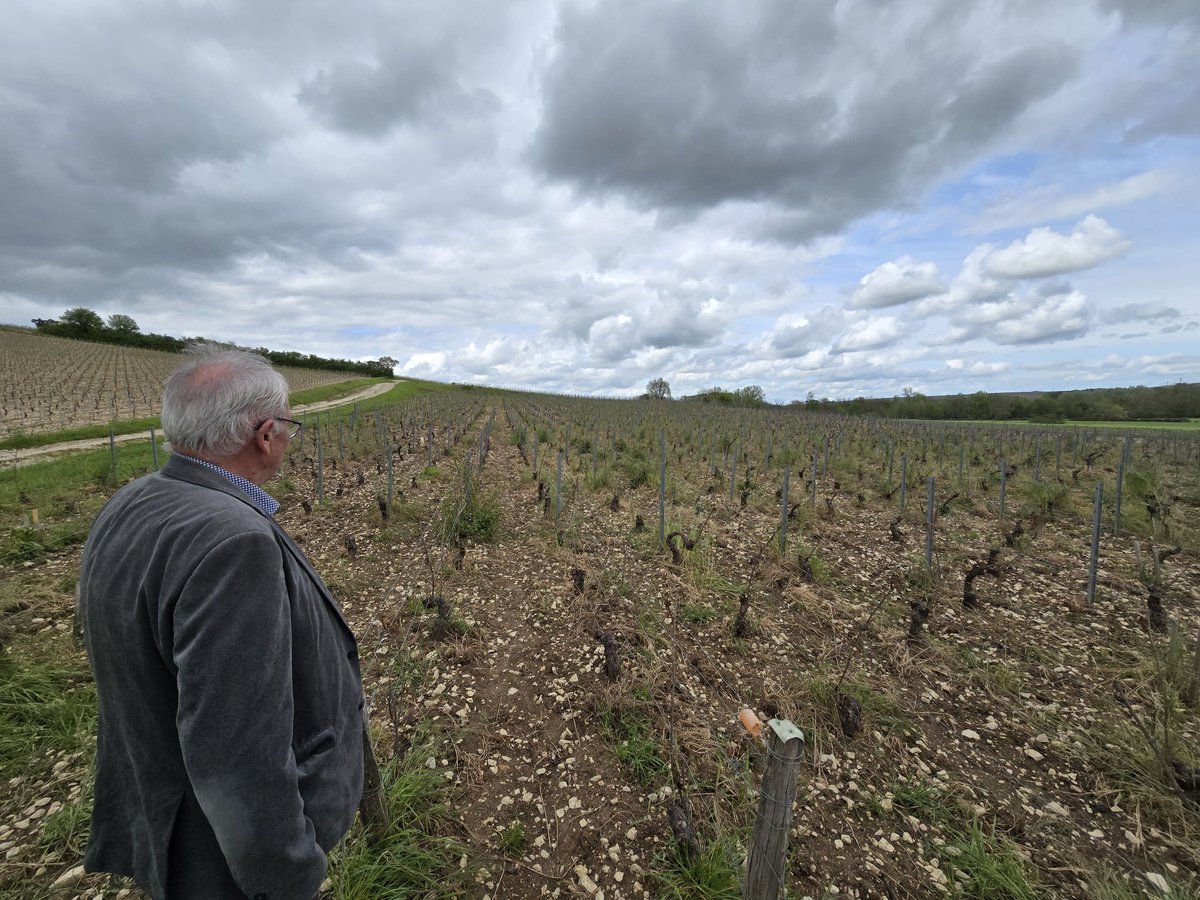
[233,652]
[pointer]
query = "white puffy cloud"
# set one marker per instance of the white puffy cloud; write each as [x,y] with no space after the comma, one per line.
[1057,317]
[871,334]
[659,322]
[795,336]
[971,285]
[896,282]
[988,368]
[1045,252]
[430,364]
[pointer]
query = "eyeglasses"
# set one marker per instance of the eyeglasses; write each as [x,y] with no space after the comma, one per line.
[292,432]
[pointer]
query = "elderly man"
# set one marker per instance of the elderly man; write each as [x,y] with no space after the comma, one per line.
[229,757]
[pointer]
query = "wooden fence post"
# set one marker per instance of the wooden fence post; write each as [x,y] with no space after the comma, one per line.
[766,861]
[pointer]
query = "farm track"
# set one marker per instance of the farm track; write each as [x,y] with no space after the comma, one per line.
[995,716]
[30,455]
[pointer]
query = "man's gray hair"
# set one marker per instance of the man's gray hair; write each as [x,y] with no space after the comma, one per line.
[212,402]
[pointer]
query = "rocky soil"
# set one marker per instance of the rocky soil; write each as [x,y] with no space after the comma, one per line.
[1022,715]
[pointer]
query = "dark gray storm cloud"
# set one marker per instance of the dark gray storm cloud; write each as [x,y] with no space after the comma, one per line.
[410,85]
[686,106]
[585,194]
[1155,12]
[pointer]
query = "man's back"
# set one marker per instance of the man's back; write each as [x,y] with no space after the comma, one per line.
[228,685]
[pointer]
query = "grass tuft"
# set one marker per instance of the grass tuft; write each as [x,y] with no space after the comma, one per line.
[712,876]
[636,748]
[417,857]
[44,710]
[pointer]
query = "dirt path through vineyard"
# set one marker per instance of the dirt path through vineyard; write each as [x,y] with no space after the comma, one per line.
[29,455]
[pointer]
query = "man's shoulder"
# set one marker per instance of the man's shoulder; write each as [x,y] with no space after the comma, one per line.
[201,501]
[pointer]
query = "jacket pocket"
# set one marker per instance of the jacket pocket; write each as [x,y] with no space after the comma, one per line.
[313,753]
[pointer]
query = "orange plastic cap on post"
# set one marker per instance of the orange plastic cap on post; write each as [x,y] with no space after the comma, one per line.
[750,722]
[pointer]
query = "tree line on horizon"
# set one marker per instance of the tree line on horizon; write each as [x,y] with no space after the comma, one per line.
[81,323]
[1168,403]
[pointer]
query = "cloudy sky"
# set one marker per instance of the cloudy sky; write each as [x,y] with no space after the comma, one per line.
[845,198]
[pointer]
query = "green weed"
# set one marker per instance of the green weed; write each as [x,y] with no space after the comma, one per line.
[697,613]
[978,862]
[511,840]
[416,857]
[711,876]
[994,676]
[66,831]
[1109,884]
[988,867]
[45,709]
[636,748]
[475,519]
[879,710]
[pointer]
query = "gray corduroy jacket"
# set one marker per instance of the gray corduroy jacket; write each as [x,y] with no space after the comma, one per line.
[227,679]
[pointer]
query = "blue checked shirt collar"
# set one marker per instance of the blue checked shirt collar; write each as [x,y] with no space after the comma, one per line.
[257,495]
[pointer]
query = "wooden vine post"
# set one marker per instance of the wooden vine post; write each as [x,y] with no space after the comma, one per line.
[783,512]
[766,862]
[1095,557]
[112,457]
[662,486]
[373,806]
[929,519]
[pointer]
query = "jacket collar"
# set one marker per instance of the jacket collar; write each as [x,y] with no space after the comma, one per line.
[185,470]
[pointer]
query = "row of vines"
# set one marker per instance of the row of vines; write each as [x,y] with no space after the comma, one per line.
[51,384]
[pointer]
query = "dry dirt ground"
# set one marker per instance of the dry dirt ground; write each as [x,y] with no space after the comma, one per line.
[1005,714]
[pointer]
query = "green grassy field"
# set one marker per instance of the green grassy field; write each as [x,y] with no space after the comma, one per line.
[1189,425]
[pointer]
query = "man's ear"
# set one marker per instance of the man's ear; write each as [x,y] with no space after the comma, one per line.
[264,435]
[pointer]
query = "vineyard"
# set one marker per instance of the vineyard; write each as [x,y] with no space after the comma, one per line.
[989,637]
[52,383]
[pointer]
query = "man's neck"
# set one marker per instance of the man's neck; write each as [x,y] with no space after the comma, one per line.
[238,465]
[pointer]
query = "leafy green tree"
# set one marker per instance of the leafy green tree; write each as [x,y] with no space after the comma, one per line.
[83,320]
[123,324]
[658,389]
[751,395]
